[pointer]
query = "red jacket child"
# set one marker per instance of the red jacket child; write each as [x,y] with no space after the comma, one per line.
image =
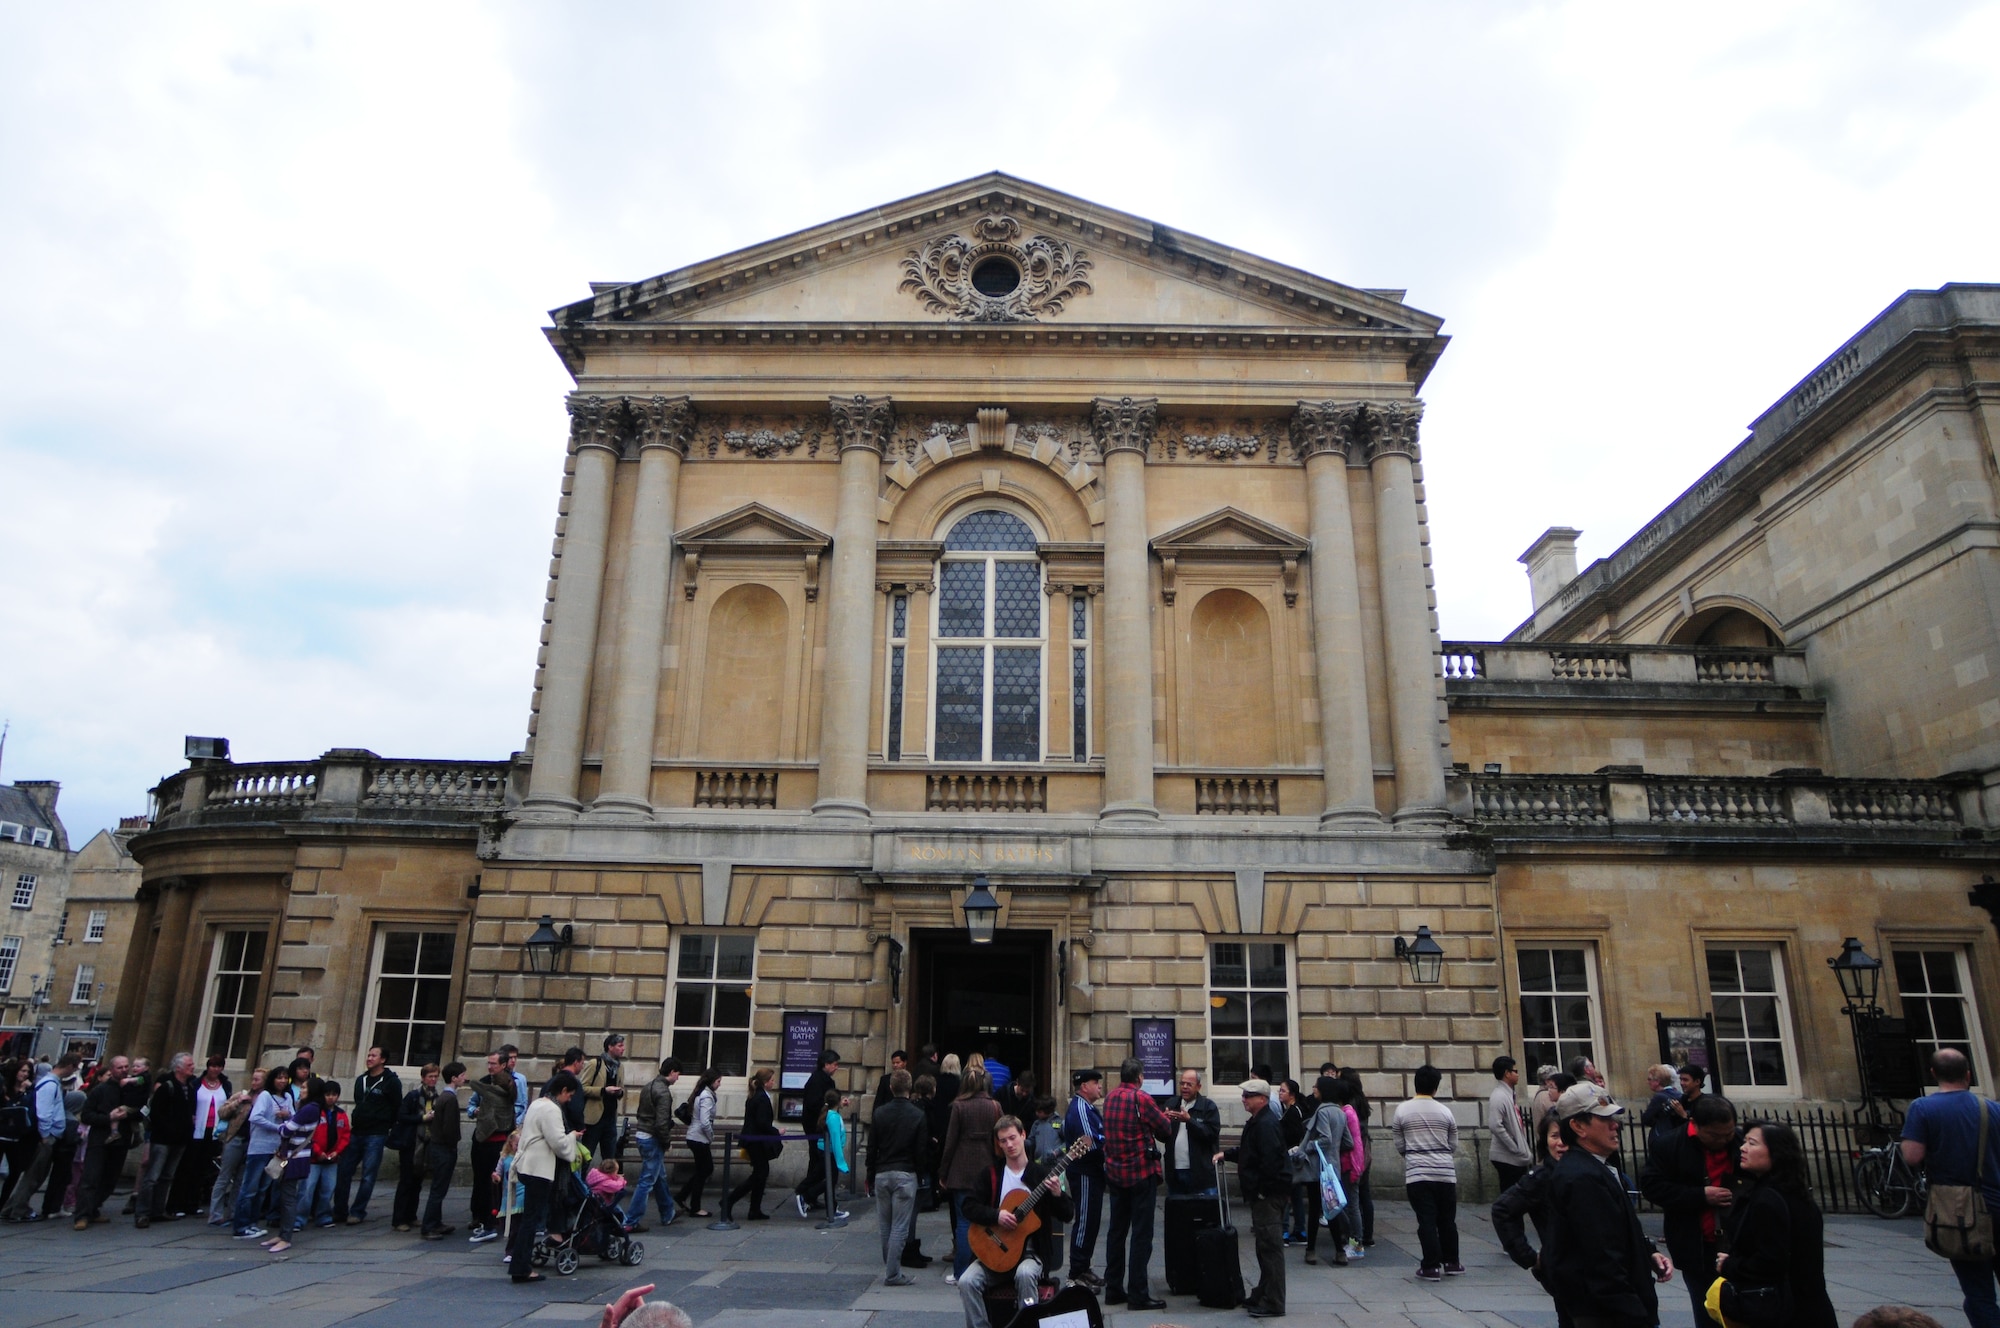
[330,1138]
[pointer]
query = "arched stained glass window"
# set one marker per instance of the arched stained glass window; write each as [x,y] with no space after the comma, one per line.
[988,698]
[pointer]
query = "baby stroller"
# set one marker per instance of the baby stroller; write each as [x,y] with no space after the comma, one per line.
[580,1223]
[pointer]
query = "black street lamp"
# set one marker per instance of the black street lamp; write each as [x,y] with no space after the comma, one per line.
[1424,956]
[982,912]
[544,949]
[1860,977]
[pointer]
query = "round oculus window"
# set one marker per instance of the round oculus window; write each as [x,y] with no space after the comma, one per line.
[995,276]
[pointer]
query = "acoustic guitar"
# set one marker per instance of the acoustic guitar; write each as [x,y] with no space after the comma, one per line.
[1000,1249]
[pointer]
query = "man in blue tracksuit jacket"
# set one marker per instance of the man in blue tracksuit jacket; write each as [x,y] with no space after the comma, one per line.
[1084,1121]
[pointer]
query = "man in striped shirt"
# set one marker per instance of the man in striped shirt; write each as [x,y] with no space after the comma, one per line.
[1427,1136]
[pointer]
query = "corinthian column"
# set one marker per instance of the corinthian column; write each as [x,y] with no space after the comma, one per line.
[861,428]
[1124,429]
[663,425]
[1323,433]
[1406,612]
[593,436]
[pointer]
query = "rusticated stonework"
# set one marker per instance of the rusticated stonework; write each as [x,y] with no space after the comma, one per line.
[1052,273]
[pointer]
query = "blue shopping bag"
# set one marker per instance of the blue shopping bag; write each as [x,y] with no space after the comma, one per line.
[1332,1195]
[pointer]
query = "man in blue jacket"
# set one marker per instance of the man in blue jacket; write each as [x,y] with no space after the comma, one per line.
[1084,1121]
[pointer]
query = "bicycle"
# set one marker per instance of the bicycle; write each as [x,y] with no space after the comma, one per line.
[1890,1187]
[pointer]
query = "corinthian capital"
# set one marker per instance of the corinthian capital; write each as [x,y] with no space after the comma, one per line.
[663,422]
[1124,423]
[594,421]
[1338,427]
[1394,428]
[862,421]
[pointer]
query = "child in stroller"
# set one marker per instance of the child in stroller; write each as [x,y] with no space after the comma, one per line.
[585,1222]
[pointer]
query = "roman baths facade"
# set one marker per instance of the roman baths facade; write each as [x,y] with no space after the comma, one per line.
[996,538]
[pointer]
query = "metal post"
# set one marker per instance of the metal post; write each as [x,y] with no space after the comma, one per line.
[1856,1016]
[723,1223]
[834,1217]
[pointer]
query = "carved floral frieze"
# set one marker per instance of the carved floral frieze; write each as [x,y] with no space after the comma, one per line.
[1217,440]
[1052,273]
[913,435]
[763,436]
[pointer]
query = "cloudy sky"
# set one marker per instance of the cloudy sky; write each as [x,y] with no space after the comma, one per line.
[279,433]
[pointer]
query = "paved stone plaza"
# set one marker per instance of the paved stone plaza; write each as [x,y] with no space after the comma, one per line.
[785,1274]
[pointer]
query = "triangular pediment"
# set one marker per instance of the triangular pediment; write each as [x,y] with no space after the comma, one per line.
[750,528]
[1228,533]
[1076,264]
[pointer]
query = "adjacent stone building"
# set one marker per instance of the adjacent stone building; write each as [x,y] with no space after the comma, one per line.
[34,884]
[996,535]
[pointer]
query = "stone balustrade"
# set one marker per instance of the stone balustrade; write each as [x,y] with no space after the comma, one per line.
[345,783]
[736,789]
[1627,798]
[986,792]
[1473,664]
[1235,795]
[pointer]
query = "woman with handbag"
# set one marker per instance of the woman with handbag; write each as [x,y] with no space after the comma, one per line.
[1774,1273]
[760,1146]
[1322,1143]
[292,1163]
[700,1122]
[268,1115]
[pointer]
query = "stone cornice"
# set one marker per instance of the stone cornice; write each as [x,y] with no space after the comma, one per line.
[1124,424]
[862,422]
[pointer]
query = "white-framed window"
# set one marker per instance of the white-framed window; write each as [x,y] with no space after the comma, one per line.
[1559,1015]
[43,839]
[409,995]
[987,641]
[93,928]
[235,983]
[899,653]
[1079,676]
[62,927]
[86,978]
[713,977]
[1935,984]
[1746,989]
[24,890]
[10,955]
[1249,1010]
[13,830]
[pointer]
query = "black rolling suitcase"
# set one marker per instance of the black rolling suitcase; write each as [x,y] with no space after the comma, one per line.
[1188,1215]
[1218,1268]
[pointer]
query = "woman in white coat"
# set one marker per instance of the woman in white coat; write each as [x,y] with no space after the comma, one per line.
[545,1145]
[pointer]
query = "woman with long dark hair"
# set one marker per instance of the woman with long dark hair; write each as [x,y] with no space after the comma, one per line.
[700,1134]
[1292,1113]
[1324,1136]
[1775,1271]
[967,1158]
[1361,1199]
[760,1145]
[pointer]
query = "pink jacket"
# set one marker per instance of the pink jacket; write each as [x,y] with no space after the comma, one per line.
[604,1185]
[1354,1162]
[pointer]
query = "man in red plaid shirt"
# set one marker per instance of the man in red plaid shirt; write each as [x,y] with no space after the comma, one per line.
[1133,1125]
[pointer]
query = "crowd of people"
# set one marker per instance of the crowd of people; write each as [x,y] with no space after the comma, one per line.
[292,1150]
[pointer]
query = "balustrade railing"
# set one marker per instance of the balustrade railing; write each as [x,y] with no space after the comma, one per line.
[1235,795]
[1717,801]
[734,789]
[1463,662]
[436,784]
[1541,799]
[1590,665]
[986,793]
[1891,802]
[1735,666]
[271,784]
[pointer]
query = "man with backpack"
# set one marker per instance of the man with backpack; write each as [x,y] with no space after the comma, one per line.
[49,1121]
[1954,1134]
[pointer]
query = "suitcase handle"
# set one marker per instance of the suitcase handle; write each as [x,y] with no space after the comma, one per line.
[1222,1195]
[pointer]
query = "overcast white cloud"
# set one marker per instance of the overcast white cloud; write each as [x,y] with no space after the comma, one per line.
[279,433]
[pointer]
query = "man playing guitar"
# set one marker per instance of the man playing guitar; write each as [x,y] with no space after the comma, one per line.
[988,1208]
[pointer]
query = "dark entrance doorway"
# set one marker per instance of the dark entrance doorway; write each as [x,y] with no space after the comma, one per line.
[968,997]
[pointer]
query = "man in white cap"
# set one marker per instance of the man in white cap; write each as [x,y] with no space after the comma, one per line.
[1267,1184]
[1600,1266]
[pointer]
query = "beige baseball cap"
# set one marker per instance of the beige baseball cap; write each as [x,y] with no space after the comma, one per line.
[1586,1100]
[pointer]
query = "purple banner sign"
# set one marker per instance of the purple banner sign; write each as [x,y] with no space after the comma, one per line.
[805,1034]
[1153,1048]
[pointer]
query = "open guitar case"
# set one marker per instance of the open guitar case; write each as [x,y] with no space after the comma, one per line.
[1074,1306]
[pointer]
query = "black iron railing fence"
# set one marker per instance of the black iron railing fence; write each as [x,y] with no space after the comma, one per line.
[1832,1139]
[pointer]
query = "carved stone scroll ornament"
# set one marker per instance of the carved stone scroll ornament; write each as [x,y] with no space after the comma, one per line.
[1052,273]
[1124,423]
[1325,426]
[1356,430]
[1395,428]
[765,437]
[862,422]
[663,422]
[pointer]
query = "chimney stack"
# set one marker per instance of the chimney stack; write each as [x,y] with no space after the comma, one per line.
[1551,563]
